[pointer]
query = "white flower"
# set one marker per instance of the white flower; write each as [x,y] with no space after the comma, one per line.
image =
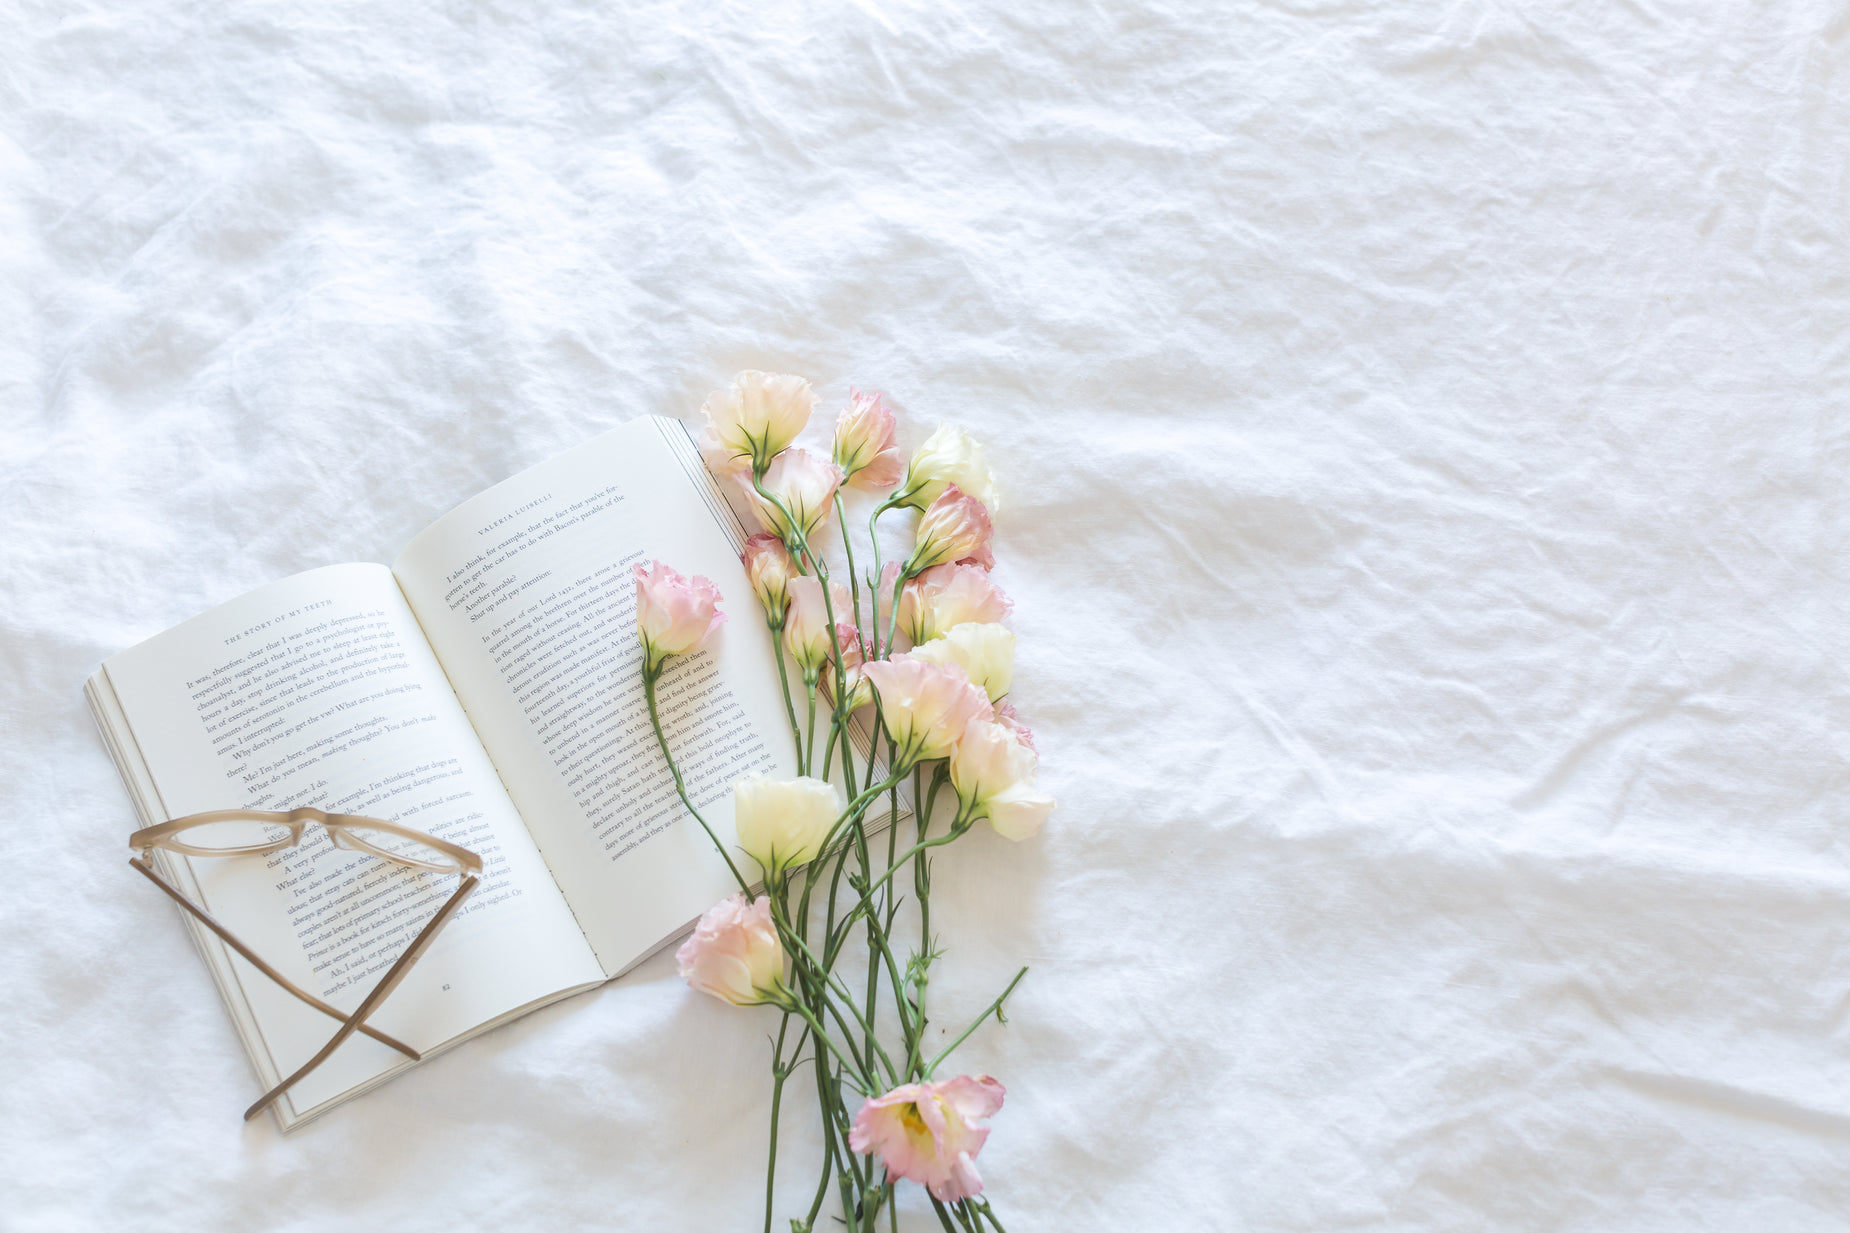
[985,651]
[783,822]
[949,456]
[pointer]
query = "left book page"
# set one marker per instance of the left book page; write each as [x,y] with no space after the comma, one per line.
[321,690]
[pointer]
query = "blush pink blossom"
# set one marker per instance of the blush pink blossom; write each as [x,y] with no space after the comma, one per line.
[865,446]
[992,769]
[1010,718]
[674,615]
[955,527]
[734,953]
[769,567]
[805,485]
[931,1132]
[947,595]
[925,706]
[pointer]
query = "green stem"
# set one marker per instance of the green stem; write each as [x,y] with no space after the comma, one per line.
[778,1074]
[847,543]
[809,683]
[783,680]
[655,721]
[994,1008]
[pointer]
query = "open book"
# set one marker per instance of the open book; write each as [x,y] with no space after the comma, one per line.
[485,689]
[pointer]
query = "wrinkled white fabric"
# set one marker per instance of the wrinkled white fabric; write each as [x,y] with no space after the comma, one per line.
[1424,446]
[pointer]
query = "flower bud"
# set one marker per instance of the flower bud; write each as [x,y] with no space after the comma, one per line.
[864,443]
[770,569]
[955,528]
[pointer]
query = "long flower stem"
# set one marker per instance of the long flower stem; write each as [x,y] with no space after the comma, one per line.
[655,721]
[994,1008]
[779,1073]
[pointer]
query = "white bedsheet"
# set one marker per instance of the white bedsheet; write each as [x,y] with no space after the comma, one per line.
[1424,432]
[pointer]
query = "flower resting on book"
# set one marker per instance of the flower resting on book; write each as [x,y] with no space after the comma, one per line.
[782,823]
[674,615]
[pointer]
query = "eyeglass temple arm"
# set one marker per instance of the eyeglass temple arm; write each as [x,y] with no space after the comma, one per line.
[356,1021]
[141,865]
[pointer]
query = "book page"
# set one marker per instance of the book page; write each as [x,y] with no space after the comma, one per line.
[527,595]
[320,690]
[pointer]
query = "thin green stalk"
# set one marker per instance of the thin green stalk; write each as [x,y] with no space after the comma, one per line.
[655,721]
[783,680]
[847,543]
[778,1074]
[994,1008]
[809,683]
[956,832]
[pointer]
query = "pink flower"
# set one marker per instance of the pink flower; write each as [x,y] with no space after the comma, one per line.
[925,706]
[1010,718]
[805,484]
[734,953]
[853,656]
[992,769]
[955,528]
[865,449]
[674,615]
[756,418]
[806,630]
[947,595]
[931,1132]
[770,569]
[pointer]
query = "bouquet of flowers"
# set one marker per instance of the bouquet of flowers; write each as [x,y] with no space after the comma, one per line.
[832,898]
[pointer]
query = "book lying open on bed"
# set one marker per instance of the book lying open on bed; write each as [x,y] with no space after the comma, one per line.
[485,689]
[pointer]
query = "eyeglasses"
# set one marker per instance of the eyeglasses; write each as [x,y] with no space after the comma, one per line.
[257,832]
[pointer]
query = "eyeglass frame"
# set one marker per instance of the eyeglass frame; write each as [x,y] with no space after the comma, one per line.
[468,864]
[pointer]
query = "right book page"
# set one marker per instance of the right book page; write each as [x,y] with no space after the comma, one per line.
[527,595]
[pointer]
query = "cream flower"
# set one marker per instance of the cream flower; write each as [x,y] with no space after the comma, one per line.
[734,953]
[931,1132]
[782,823]
[949,456]
[757,416]
[992,769]
[985,651]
